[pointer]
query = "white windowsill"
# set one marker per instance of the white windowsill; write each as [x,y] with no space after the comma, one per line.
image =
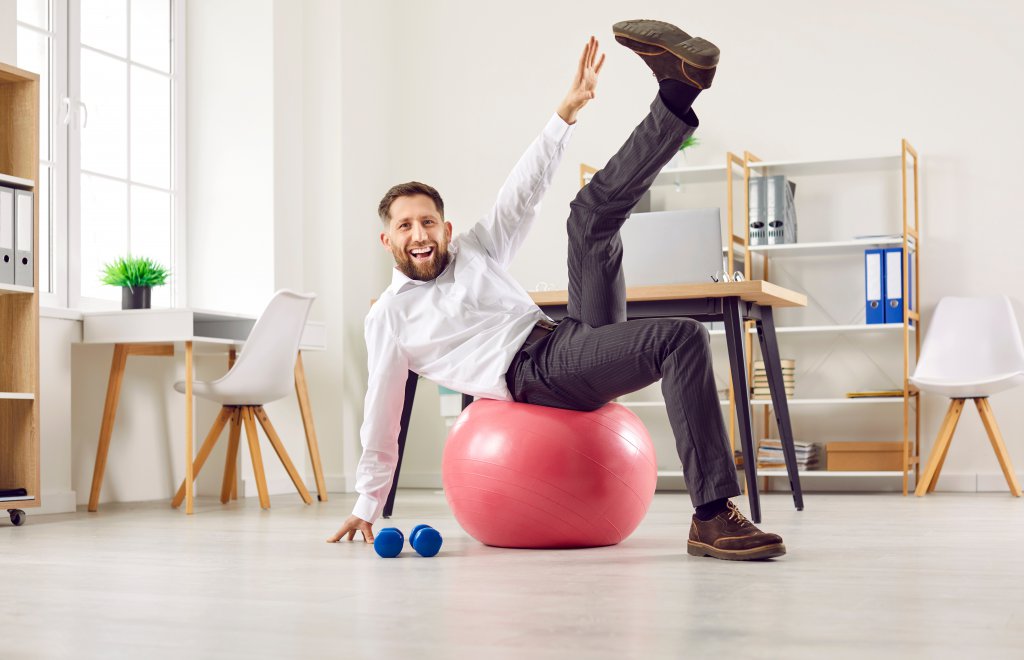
[60,313]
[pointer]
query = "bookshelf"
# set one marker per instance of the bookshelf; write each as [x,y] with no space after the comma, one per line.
[19,305]
[905,234]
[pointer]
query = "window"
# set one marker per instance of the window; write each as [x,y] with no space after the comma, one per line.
[42,41]
[112,147]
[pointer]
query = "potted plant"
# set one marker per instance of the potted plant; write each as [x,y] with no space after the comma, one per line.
[136,276]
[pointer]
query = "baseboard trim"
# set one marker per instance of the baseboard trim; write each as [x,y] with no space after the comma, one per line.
[334,483]
[54,502]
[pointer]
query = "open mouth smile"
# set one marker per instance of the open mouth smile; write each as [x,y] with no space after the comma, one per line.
[422,254]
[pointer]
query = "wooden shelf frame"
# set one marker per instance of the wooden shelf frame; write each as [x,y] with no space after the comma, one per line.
[19,306]
[910,241]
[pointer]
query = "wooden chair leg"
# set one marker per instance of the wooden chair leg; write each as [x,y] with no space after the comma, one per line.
[956,406]
[306,409]
[275,442]
[204,451]
[257,458]
[231,461]
[117,365]
[945,452]
[996,438]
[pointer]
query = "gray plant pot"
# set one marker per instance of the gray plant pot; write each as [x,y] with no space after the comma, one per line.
[135,297]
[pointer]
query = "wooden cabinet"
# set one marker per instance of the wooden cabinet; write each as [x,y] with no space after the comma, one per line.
[19,305]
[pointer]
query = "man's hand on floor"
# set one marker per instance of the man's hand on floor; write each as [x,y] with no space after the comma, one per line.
[584,84]
[351,526]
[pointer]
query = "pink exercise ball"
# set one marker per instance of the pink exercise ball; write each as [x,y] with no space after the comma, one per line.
[523,476]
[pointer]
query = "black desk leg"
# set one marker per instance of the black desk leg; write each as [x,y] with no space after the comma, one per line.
[410,394]
[738,364]
[773,367]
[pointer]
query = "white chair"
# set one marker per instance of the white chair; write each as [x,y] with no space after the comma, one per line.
[973,350]
[264,372]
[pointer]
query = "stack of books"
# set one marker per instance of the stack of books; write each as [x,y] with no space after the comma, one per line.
[761,388]
[769,454]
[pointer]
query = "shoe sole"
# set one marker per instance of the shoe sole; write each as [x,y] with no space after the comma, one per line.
[657,44]
[697,549]
[667,63]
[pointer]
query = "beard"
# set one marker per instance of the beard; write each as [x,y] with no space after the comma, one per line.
[423,270]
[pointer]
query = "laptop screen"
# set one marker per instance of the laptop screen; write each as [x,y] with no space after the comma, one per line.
[672,247]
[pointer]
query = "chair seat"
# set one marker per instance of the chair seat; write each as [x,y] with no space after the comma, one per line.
[969,388]
[229,396]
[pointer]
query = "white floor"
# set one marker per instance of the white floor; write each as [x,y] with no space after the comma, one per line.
[867,576]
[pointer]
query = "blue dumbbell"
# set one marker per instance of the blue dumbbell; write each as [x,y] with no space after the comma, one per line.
[425,540]
[388,542]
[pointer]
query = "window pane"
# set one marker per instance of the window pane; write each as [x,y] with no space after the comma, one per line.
[105,25]
[104,232]
[151,234]
[34,12]
[151,128]
[105,135]
[44,255]
[151,33]
[34,56]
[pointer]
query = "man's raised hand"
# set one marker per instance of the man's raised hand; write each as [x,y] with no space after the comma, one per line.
[351,526]
[584,84]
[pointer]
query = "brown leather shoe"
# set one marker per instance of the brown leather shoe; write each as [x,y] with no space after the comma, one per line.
[729,535]
[670,52]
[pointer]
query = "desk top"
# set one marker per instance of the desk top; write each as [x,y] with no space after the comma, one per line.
[181,324]
[754,291]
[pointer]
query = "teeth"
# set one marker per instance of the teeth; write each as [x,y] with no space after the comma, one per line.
[422,251]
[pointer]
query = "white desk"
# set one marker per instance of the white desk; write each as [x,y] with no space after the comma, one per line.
[162,332]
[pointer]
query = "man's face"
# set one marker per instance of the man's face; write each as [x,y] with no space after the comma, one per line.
[417,237]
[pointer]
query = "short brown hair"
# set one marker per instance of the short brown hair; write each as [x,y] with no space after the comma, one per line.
[407,190]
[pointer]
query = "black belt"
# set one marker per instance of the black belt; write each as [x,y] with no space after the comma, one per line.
[543,328]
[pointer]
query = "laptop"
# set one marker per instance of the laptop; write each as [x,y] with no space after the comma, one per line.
[672,247]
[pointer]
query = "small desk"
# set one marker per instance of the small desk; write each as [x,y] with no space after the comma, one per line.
[162,332]
[730,302]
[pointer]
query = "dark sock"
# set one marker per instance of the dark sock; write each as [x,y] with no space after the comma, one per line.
[677,96]
[708,511]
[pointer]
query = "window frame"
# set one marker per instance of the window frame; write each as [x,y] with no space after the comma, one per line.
[71,297]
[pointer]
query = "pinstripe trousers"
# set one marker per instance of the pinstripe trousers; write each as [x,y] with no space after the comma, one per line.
[595,354]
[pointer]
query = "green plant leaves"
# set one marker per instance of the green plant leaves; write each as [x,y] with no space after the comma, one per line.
[690,141]
[134,271]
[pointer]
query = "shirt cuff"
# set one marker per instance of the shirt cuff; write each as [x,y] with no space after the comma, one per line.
[366,508]
[557,129]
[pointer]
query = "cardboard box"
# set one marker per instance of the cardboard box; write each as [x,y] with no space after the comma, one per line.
[865,456]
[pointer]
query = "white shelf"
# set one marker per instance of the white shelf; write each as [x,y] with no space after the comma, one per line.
[830,248]
[17,498]
[833,473]
[801,329]
[793,402]
[8,180]
[12,288]
[830,166]
[830,402]
[26,396]
[685,175]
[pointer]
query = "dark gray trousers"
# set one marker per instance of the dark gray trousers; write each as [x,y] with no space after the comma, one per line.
[595,354]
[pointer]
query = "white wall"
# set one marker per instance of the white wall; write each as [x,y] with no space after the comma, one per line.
[8,31]
[798,80]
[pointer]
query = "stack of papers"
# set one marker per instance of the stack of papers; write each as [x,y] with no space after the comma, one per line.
[769,454]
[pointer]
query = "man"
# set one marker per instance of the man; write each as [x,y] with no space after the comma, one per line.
[454,315]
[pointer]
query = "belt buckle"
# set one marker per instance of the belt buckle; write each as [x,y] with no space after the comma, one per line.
[547,325]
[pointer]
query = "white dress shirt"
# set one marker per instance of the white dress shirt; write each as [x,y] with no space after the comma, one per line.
[461,329]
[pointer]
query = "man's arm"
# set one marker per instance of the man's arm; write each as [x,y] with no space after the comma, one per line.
[382,412]
[502,231]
